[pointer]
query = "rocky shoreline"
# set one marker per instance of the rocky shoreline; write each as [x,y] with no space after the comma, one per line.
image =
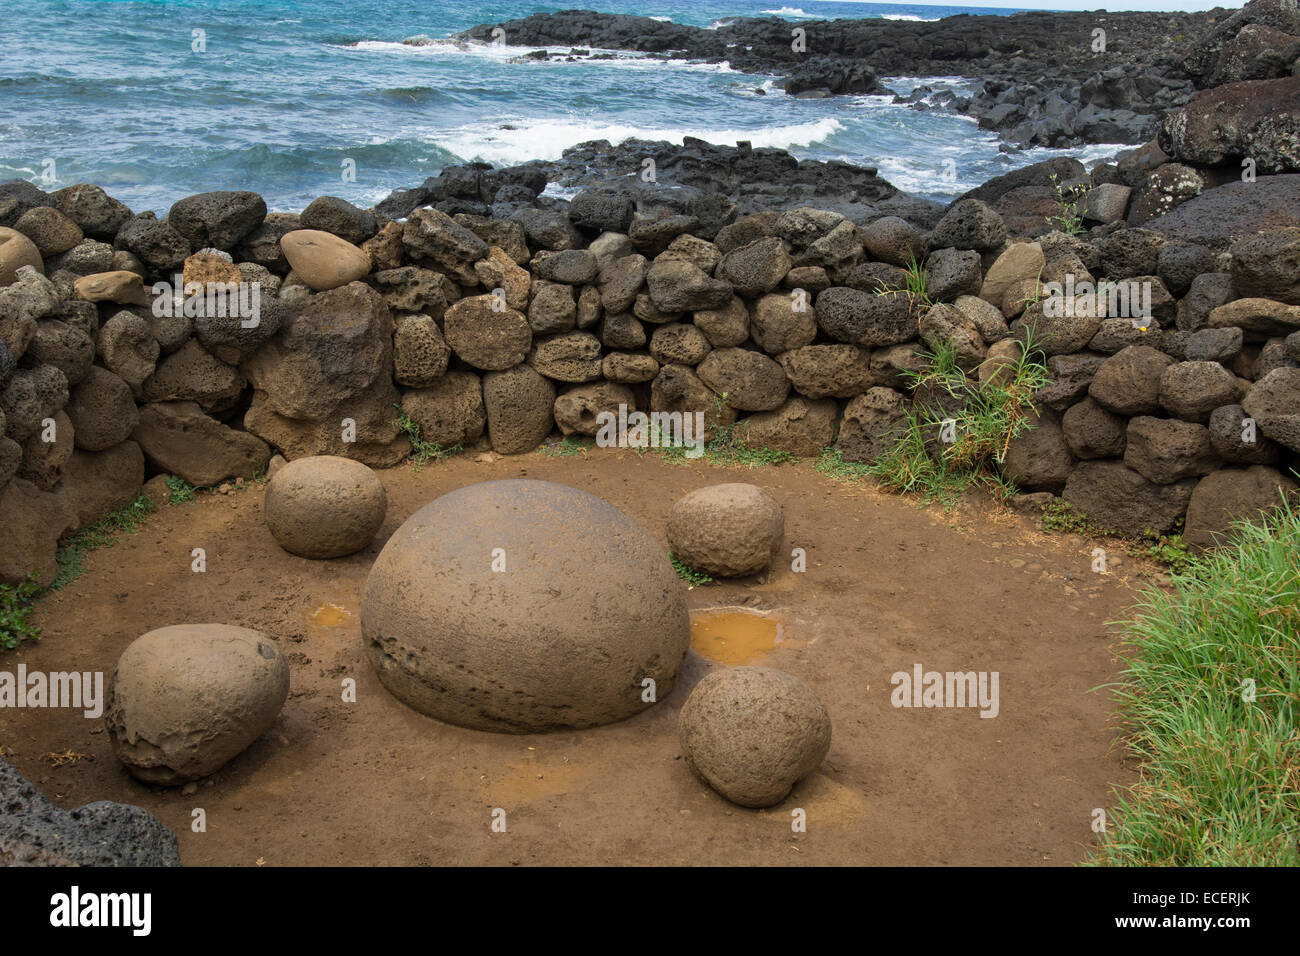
[495,313]
[1049,79]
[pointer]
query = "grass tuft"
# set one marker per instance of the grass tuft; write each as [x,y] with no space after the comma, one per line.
[924,462]
[915,286]
[101,534]
[688,574]
[1210,700]
[16,604]
[566,447]
[422,451]
[181,490]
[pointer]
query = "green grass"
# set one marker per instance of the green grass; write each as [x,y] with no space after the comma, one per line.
[726,447]
[567,447]
[915,286]
[422,451]
[181,491]
[102,534]
[688,574]
[16,603]
[993,414]
[832,465]
[1219,783]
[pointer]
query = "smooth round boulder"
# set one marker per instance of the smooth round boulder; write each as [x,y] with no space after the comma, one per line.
[752,733]
[322,259]
[520,606]
[325,506]
[16,251]
[186,700]
[728,531]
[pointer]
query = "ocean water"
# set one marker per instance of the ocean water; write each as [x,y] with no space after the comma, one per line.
[300,98]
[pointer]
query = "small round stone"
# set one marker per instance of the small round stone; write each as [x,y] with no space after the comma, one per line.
[325,507]
[186,700]
[728,531]
[752,733]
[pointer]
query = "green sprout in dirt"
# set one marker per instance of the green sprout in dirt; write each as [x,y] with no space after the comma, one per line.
[16,603]
[101,534]
[181,491]
[833,465]
[727,446]
[1210,700]
[940,454]
[1070,219]
[422,451]
[688,574]
[566,447]
[915,286]
[1168,550]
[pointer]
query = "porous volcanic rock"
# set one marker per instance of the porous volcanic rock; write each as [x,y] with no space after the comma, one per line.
[751,733]
[34,832]
[324,506]
[728,530]
[574,607]
[186,700]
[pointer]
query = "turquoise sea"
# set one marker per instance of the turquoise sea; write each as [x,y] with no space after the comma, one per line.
[285,97]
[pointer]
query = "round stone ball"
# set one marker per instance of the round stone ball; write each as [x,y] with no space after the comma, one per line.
[325,507]
[520,606]
[727,531]
[751,733]
[186,700]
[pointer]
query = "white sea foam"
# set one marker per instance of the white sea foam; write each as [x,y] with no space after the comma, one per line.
[629,59]
[908,16]
[791,12]
[548,139]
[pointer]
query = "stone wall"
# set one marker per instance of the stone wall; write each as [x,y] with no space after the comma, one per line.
[500,330]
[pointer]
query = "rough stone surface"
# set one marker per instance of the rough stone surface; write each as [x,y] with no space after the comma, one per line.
[102,411]
[801,427]
[1274,403]
[1231,495]
[485,337]
[186,700]
[450,411]
[33,522]
[586,610]
[751,733]
[1128,383]
[872,424]
[178,438]
[750,381]
[577,410]
[1093,432]
[1165,450]
[1118,498]
[325,507]
[520,406]
[34,832]
[728,531]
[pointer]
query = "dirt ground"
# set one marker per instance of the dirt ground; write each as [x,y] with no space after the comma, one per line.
[888,585]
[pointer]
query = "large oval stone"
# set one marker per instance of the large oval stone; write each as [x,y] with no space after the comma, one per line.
[323,260]
[521,606]
[186,700]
